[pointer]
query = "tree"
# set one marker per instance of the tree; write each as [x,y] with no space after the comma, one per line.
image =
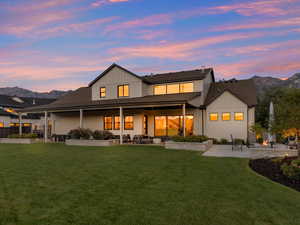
[287,111]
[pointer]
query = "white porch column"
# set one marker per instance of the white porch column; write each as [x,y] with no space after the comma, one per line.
[20,124]
[46,127]
[81,118]
[183,113]
[121,125]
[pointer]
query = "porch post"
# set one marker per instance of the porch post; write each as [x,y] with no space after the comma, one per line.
[20,124]
[121,125]
[46,127]
[81,118]
[183,113]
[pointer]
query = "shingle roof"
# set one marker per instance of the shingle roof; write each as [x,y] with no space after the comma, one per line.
[242,89]
[181,76]
[8,101]
[81,98]
[198,74]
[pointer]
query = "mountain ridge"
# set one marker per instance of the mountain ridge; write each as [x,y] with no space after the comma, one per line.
[262,84]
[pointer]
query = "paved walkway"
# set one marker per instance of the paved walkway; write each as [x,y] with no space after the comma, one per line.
[225,151]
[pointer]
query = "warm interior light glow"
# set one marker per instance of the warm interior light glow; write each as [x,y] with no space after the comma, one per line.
[213,116]
[225,116]
[238,116]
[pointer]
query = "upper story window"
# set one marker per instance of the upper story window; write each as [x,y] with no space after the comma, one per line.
[123,90]
[102,92]
[173,88]
[239,116]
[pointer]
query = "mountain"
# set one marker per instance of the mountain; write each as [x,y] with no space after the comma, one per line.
[21,92]
[263,84]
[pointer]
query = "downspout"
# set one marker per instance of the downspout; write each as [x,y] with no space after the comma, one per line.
[202,122]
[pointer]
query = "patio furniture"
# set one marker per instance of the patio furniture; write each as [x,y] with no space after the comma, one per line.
[142,139]
[236,146]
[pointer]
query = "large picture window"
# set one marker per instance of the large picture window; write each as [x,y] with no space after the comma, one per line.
[163,89]
[123,90]
[186,87]
[173,125]
[160,89]
[128,123]
[107,123]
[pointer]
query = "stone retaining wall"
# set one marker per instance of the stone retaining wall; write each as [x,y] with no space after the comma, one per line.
[195,146]
[89,142]
[17,140]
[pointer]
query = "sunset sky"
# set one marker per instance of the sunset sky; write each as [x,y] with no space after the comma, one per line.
[64,44]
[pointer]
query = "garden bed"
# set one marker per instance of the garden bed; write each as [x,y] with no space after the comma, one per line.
[270,168]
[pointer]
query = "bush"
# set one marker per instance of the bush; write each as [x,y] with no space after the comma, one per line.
[80,133]
[23,136]
[239,141]
[214,140]
[102,135]
[260,140]
[291,170]
[224,141]
[194,138]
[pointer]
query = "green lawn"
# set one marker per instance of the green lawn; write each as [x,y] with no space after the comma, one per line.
[55,184]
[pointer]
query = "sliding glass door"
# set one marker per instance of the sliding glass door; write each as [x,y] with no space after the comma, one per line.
[172,125]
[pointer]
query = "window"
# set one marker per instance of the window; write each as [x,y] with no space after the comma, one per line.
[160,126]
[128,123]
[213,116]
[123,90]
[107,123]
[160,90]
[26,124]
[225,116]
[172,88]
[116,123]
[238,116]
[14,124]
[102,92]
[173,125]
[186,87]
[1,124]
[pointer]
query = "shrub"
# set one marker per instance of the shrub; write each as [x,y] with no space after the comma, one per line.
[260,140]
[224,141]
[80,133]
[194,138]
[291,170]
[102,135]
[214,140]
[23,136]
[239,141]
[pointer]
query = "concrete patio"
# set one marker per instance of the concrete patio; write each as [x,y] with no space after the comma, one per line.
[251,153]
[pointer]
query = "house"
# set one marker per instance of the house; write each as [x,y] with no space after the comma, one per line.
[10,118]
[156,105]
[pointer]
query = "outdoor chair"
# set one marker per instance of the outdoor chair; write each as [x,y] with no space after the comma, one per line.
[235,145]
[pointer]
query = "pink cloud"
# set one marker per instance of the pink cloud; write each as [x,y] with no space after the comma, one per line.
[148,21]
[261,24]
[266,7]
[178,50]
[152,34]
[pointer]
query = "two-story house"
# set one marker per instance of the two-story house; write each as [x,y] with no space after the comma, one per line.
[177,103]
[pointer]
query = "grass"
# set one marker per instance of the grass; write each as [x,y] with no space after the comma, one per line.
[56,184]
